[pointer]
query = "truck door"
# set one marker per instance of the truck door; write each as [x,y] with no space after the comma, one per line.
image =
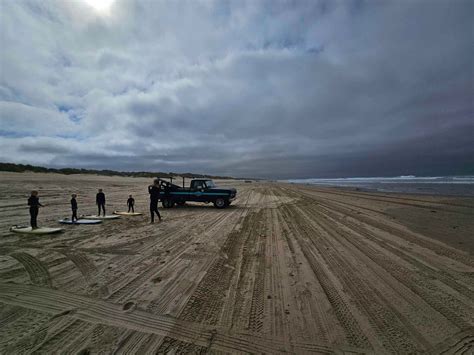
[199,191]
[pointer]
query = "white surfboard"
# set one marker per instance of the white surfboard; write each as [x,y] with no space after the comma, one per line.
[123,213]
[101,217]
[80,221]
[29,230]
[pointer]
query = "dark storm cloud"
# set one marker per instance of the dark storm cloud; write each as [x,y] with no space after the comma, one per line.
[44,148]
[249,88]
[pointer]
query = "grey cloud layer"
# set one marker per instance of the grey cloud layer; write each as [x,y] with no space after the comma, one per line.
[256,88]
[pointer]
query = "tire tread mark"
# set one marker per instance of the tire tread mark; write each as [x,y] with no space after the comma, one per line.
[38,272]
[445,304]
[207,301]
[87,268]
[385,320]
[430,273]
[353,331]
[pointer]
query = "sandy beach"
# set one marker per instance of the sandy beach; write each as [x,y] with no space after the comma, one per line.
[285,269]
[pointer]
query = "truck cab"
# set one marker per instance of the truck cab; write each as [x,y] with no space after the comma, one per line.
[200,184]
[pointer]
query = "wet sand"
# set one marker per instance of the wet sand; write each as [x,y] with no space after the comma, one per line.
[287,268]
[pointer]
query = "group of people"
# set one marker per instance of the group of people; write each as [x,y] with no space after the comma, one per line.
[153,190]
[100,202]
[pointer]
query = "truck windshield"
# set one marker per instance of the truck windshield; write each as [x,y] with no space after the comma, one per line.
[210,184]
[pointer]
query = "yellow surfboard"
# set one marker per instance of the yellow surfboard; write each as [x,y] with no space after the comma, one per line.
[123,213]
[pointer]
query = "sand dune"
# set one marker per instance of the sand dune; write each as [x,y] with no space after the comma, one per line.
[285,269]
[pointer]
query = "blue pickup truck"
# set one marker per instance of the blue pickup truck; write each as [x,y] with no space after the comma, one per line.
[199,190]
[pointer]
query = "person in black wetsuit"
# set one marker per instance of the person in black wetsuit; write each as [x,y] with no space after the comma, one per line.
[100,201]
[131,203]
[154,191]
[74,207]
[33,202]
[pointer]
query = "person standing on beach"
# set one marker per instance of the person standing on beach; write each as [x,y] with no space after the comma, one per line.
[131,203]
[154,191]
[74,207]
[33,202]
[100,201]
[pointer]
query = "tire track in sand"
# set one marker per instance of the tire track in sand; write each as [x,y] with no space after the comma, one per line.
[88,270]
[209,298]
[400,201]
[353,331]
[395,229]
[39,274]
[173,243]
[424,267]
[22,334]
[319,323]
[459,343]
[100,312]
[391,327]
[247,312]
[419,283]
[32,321]
[182,289]
[144,247]
[298,297]
[352,231]
[175,250]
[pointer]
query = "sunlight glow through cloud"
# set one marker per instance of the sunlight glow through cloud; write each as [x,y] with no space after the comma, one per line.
[100,5]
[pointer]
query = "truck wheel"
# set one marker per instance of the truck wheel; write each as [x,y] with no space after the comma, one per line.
[220,203]
[167,203]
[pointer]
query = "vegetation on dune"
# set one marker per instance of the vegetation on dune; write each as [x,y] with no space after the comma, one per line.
[21,168]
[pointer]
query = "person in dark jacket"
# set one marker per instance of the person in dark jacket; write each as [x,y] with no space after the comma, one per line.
[74,207]
[33,202]
[154,191]
[100,201]
[131,203]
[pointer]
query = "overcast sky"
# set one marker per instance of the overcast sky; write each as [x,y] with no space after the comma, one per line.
[281,89]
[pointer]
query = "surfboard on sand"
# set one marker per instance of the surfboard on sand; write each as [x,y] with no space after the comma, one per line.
[101,217]
[29,230]
[80,221]
[123,213]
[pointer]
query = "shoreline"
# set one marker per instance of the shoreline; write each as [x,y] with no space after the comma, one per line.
[468,189]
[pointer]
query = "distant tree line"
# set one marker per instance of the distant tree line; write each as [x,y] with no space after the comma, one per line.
[21,168]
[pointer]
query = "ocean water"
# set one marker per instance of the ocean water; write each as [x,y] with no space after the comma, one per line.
[435,185]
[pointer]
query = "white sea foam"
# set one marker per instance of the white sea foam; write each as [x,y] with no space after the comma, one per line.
[411,179]
[445,185]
